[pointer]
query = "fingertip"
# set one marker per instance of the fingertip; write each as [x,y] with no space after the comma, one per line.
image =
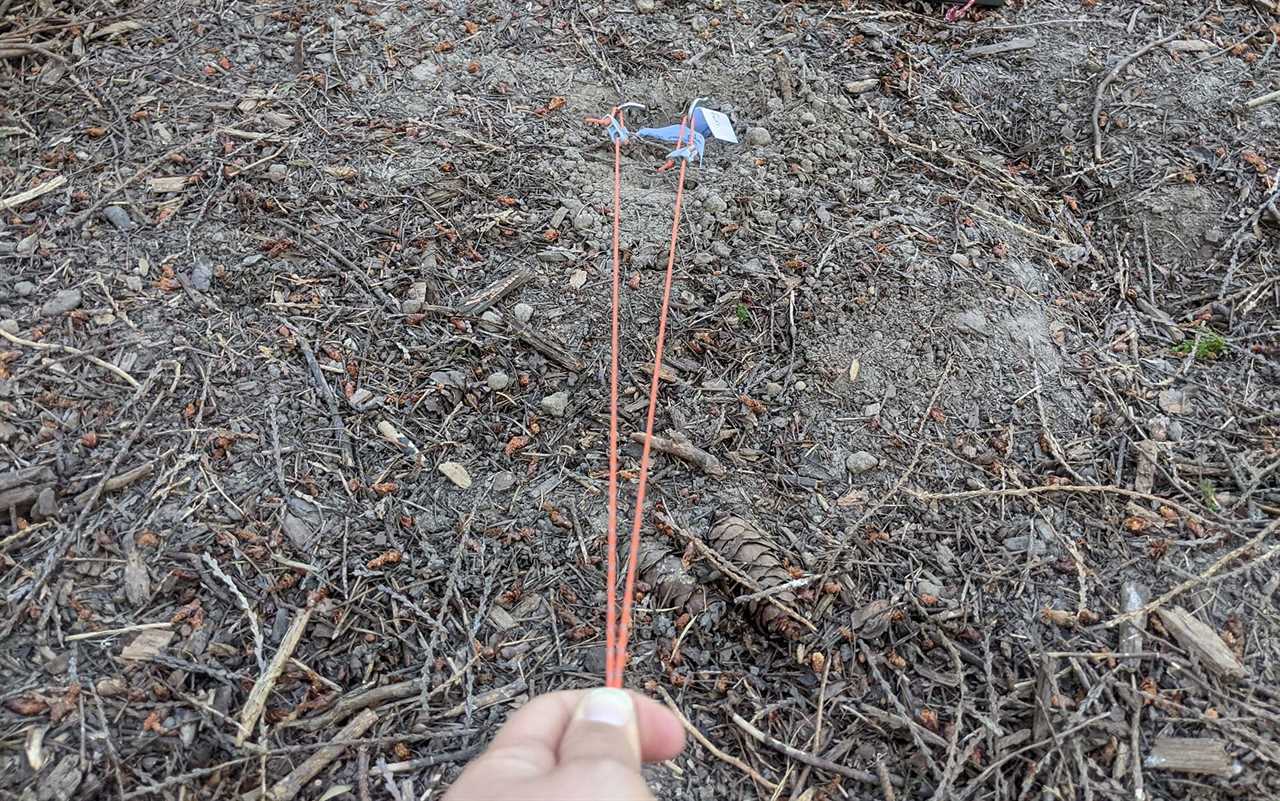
[661,735]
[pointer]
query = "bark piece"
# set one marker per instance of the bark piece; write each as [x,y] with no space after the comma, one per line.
[1203,755]
[1203,642]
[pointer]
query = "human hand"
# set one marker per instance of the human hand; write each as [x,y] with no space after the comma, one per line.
[583,745]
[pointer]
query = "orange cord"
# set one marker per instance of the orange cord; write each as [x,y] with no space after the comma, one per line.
[619,630]
[611,612]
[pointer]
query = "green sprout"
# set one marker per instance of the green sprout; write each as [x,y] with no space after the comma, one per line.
[1209,345]
[744,314]
[1209,493]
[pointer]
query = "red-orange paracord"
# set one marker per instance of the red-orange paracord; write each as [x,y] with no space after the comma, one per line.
[618,622]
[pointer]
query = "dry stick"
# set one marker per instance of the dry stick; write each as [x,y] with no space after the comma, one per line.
[866,777]
[80,218]
[1269,97]
[13,201]
[886,781]
[1042,490]
[267,681]
[715,752]
[1119,68]
[685,451]
[254,628]
[118,481]
[292,784]
[1205,576]
[93,635]
[26,343]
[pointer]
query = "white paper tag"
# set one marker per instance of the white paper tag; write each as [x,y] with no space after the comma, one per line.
[719,124]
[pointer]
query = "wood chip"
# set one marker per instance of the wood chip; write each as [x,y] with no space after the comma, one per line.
[1203,642]
[14,201]
[147,645]
[1201,755]
[167,183]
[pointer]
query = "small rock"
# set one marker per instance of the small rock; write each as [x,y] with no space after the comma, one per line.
[927,587]
[423,73]
[808,118]
[864,186]
[861,462]
[46,505]
[645,6]
[499,381]
[1175,431]
[504,481]
[10,325]
[24,288]
[801,386]
[202,274]
[871,410]
[772,389]
[62,302]
[861,87]
[757,137]
[715,204]
[7,431]
[299,531]
[277,173]
[456,473]
[960,260]
[556,404]
[117,217]
[578,279]
[414,301]
[523,312]
[133,283]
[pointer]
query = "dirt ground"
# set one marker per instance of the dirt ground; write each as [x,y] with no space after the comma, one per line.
[303,406]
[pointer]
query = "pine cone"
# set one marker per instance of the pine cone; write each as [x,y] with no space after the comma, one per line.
[750,550]
[673,587]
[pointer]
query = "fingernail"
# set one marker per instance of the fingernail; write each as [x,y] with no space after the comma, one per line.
[608,706]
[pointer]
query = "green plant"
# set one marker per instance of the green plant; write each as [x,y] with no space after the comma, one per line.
[1209,493]
[1207,345]
[744,314]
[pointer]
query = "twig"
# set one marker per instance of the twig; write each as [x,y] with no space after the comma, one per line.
[292,784]
[1096,117]
[1205,576]
[1042,490]
[778,590]
[13,201]
[886,781]
[461,755]
[327,396]
[254,628]
[685,451]
[257,700]
[1262,100]
[715,752]
[118,481]
[26,343]
[93,635]
[866,777]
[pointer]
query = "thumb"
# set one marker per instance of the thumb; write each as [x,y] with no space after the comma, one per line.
[603,729]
